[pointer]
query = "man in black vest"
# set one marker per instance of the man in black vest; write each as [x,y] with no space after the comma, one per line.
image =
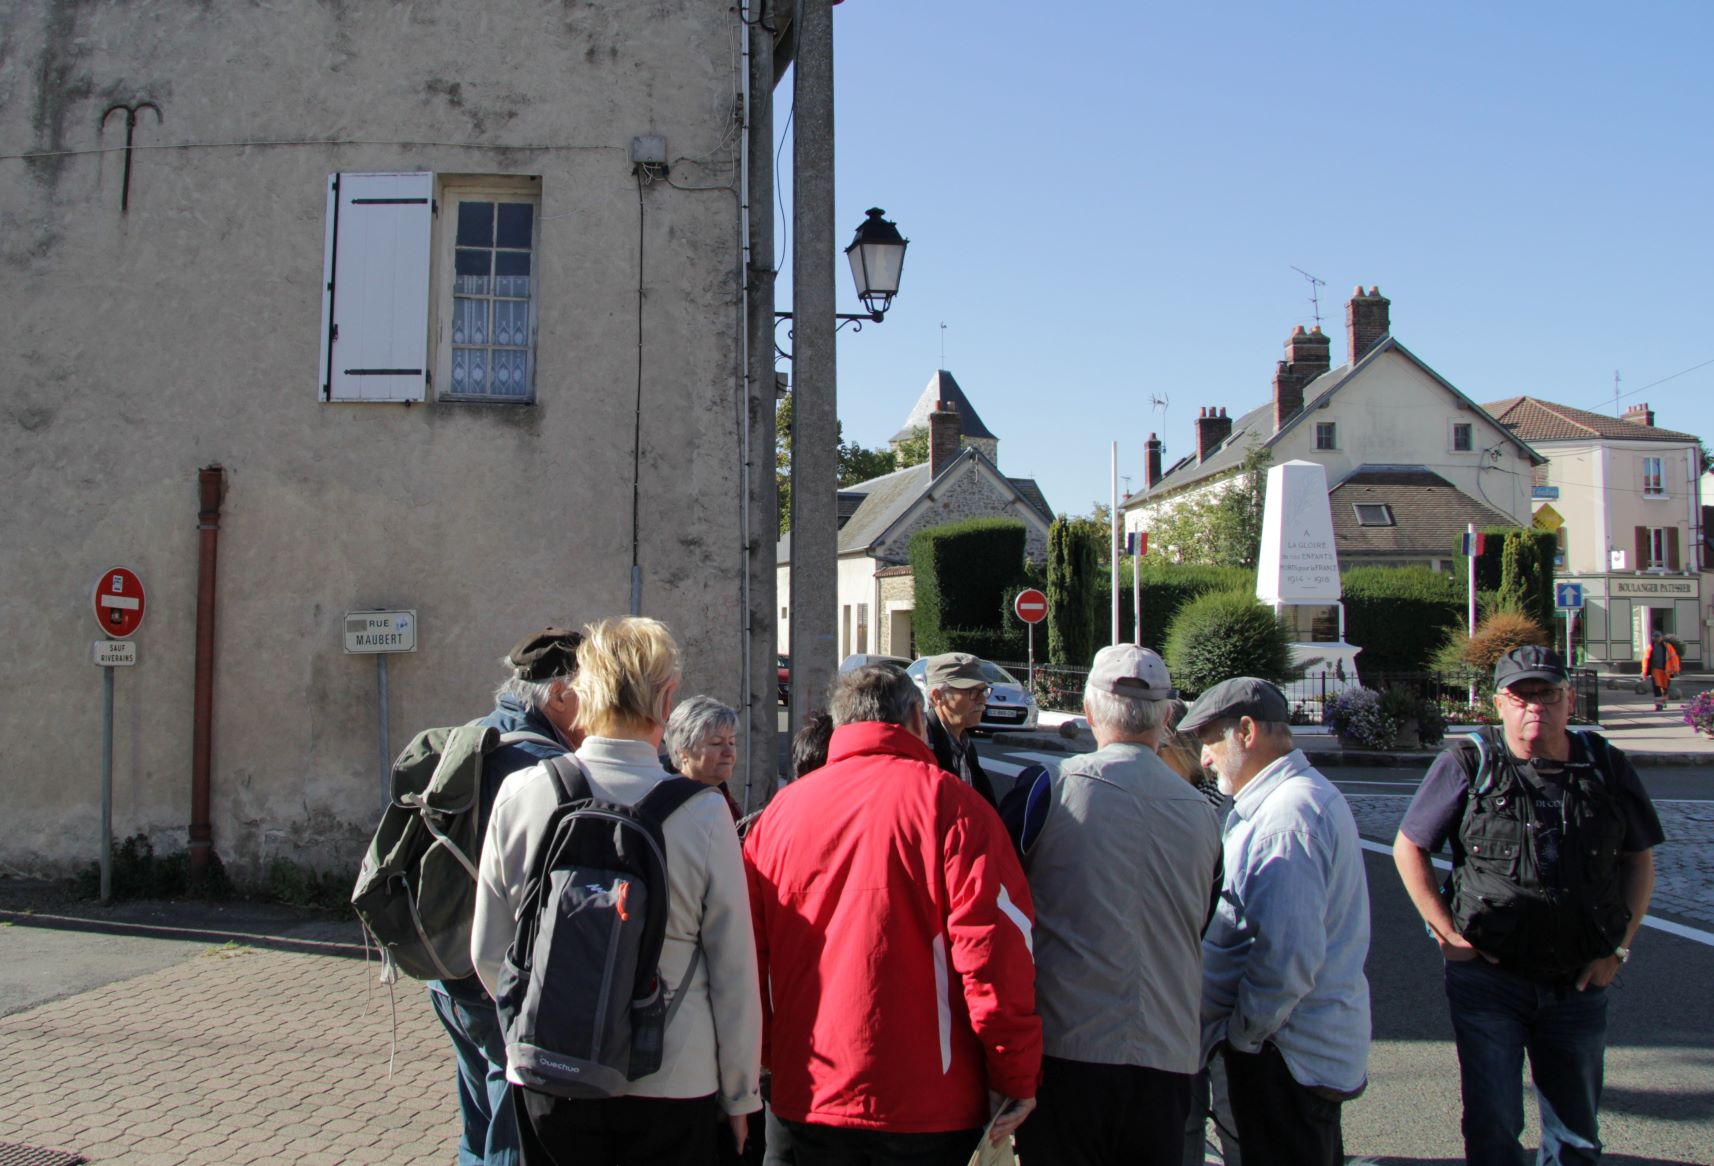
[1552,867]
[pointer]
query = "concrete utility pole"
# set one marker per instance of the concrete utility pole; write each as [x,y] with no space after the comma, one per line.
[815,403]
[761,616]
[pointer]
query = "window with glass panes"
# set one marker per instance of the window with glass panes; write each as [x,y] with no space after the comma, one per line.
[492,323]
[1653,480]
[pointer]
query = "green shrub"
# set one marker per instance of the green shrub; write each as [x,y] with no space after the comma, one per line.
[964,572]
[136,872]
[1399,616]
[1073,587]
[1167,587]
[1222,634]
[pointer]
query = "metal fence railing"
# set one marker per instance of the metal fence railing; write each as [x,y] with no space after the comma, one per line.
[1462,697]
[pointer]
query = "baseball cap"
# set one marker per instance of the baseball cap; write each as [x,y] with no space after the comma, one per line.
[1242,696]
[545,654]
[1127,670]
[955,670]
[1531,662]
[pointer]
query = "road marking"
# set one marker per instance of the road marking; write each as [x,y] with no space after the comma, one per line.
[1694,934]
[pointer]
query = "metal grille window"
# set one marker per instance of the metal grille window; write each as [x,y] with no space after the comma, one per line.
[492,324]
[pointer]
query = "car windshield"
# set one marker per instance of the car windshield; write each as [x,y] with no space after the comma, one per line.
[994,674]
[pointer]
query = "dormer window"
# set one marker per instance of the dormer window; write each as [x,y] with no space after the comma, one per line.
[1373,514]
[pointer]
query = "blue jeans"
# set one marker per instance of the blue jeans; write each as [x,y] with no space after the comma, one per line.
[1497,1017]
[484,1103]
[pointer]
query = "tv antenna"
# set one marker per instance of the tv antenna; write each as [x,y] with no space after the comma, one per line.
[1616,412]
[1159,404]
[1315,286]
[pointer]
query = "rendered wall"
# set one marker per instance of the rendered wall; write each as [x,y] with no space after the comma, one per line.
[185,332]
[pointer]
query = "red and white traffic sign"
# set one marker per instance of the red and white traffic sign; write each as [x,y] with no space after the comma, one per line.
[119,603]
[1031,605]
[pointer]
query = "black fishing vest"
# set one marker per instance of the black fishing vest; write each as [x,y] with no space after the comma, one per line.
[1498,897]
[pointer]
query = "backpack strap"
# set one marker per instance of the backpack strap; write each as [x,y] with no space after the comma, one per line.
[570,779]
[1482,779]
[1603,758]
[679,992]
[660,803]
[522,735]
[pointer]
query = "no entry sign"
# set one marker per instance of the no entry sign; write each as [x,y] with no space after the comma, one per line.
[119,603]
[1031,605]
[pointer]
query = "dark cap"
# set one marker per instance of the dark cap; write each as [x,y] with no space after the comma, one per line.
[1530,662]
[546,654]
[1242,696]
[955,670]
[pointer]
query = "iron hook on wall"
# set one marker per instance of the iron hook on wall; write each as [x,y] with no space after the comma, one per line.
[131,112]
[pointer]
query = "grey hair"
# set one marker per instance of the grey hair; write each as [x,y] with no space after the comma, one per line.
[1125,715]
[532,694]
[1279,732]
[693,722]
[875,692]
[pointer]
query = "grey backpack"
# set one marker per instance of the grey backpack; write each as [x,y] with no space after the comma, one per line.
[581,1000]
[416,892]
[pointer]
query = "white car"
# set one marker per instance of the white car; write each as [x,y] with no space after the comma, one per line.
[1011,706]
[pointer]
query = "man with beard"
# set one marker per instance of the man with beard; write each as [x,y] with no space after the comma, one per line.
[1284,998]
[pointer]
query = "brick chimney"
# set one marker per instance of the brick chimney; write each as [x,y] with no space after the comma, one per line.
[1151,462]
[1306,357]
[1639,415]
[943,437]
[1212,427]
[1367,321]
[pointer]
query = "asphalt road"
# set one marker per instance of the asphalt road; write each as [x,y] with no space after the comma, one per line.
[1659,1099]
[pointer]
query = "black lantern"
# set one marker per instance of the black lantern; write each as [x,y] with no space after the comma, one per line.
[877,256]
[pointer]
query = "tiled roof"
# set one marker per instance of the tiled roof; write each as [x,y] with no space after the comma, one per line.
[1533,419]
[1033,495]
[1429,513]
[896,572]
[941,387]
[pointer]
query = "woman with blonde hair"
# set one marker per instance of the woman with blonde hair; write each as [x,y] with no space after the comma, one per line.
[627,675]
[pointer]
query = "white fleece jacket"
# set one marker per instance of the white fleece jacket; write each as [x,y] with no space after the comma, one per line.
[715,1040]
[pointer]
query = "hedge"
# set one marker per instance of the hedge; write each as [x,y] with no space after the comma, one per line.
[963,573]
[1222,634]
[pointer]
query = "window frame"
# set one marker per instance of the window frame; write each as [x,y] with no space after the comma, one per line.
[1657,549]
[450,190]
[1386,509]
[1469,430]
[1654,485]
[1331,429]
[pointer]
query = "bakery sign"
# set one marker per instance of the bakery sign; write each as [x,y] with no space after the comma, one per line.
[1674,588]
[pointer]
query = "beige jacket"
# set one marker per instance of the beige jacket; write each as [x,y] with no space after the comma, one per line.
[715,1040]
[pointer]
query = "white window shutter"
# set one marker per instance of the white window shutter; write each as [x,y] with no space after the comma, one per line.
[375,292]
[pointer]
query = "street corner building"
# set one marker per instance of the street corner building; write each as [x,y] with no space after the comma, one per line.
[314,311]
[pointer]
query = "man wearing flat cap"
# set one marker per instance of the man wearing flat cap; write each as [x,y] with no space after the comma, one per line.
[1122,855]
[1285,1002]
[1552,838]
[957,696]
[534,710]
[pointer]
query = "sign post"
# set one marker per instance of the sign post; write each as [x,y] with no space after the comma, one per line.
[1568,598]
[1031,607]
[119,603]
[379,634]
[1137,545]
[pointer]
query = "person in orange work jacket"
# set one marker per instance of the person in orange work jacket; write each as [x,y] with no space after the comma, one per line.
[1660,666]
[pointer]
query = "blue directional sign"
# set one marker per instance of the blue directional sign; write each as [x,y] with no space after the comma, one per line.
[1568,595]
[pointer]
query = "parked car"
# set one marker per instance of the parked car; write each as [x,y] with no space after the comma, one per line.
[858,659]
[784,662]
[1011,706]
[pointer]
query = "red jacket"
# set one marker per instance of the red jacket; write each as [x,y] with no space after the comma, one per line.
[893,926]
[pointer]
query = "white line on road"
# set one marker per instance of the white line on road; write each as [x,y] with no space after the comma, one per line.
[1695,935]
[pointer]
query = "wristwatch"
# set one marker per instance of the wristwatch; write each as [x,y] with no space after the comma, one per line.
[1624,954]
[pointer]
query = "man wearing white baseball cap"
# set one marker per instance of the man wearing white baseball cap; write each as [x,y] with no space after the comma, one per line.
[1123,857]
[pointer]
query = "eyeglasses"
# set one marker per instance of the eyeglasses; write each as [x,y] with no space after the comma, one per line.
[976,690]
[1519,697]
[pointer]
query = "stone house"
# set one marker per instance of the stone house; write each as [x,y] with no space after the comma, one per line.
[446,308]
[1410,459]
[877,518]
[1625,498]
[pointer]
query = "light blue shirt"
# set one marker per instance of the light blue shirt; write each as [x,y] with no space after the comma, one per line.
[1283,959]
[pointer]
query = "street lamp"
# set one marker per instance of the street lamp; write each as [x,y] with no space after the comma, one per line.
[877,257]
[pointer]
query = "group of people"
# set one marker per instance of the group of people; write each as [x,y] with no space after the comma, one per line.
[1174,925]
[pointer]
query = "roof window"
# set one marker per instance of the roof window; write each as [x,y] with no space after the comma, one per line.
[1373,514]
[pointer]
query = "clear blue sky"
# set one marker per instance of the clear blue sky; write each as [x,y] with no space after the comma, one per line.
[1105,202]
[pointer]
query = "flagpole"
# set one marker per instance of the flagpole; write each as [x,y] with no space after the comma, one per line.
[1118,546]
[1471,551]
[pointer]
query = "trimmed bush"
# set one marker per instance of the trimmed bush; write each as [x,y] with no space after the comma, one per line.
[963,573]
[1167,587]
[1073,585]
[1222,634]
[1400,616]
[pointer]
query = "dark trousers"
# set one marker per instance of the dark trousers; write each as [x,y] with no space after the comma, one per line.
[490,1136]
[839,1146]
[1281,1122]
[1089,1114]
[618,1131]
[1498,1017]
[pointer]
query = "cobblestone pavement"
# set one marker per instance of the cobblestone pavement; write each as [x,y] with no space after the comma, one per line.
[1684,865]
[239,1055]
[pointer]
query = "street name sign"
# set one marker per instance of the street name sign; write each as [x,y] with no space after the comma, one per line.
[1031,605]
[115,653]
[1568,595]
[119,602]
[371,632]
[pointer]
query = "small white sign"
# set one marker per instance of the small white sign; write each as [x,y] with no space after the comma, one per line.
[115,653]
[369,632]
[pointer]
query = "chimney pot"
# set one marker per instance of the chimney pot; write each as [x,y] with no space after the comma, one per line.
[1151,462]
